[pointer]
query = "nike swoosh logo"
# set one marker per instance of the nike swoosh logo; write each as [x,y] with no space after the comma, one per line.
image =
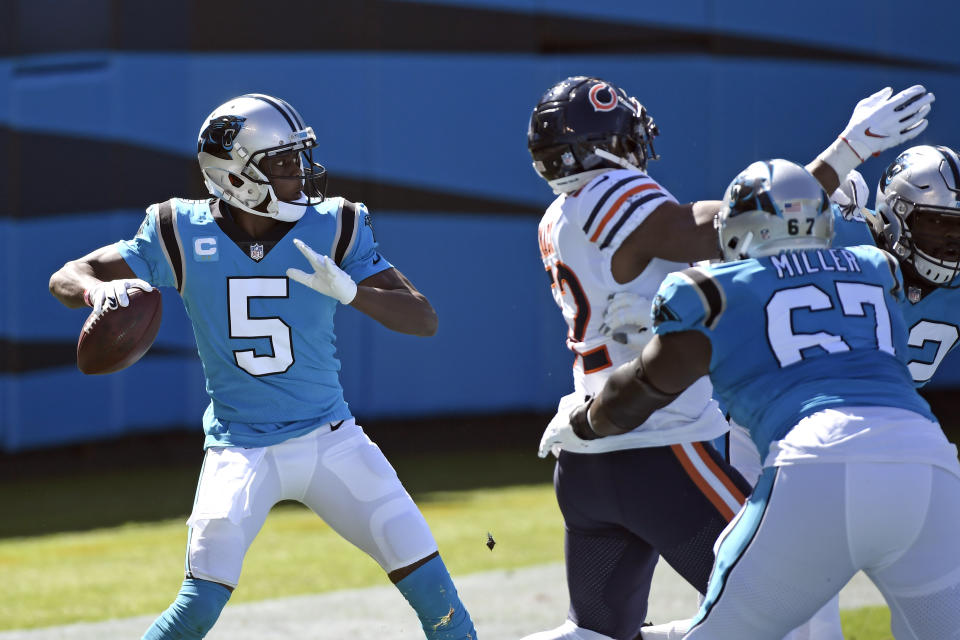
[872,134]
[377,259]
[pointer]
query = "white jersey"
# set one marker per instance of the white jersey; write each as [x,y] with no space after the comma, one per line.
[579,234]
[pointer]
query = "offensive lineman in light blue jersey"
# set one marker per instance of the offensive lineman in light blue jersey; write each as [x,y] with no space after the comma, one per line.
[277,427]
[806,344]
[917,219]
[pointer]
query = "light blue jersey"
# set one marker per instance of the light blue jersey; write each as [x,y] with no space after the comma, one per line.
[933,321]
[796,333]
[266,342]
[850,228]
[934,325]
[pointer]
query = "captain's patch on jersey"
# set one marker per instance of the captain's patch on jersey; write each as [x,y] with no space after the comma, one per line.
[205,249]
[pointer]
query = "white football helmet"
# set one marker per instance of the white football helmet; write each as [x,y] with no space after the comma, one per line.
[238,135]
[773,206]
[918,212]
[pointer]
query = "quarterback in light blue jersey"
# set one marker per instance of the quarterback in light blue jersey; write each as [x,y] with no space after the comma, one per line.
[261,267]
[267,345]
[806,344]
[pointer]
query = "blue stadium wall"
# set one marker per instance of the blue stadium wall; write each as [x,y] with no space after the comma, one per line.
[421,109]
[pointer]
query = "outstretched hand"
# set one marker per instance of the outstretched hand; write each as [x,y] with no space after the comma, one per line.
[879,122]
[327,278]
[884,120]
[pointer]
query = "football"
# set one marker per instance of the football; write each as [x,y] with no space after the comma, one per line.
[116,338]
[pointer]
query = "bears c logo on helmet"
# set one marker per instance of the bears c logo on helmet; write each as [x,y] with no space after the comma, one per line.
[602,97]
[218,137]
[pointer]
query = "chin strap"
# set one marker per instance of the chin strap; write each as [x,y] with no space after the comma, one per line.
[293,210]
[617,160]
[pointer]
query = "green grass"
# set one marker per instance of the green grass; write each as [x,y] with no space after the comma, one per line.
[135,566]
[868,623]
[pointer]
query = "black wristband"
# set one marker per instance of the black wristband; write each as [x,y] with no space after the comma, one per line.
[580,422]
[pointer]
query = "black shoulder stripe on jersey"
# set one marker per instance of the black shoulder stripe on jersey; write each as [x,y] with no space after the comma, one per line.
[633,207]
[710,294]
[346,231]
[171,241]
[893,264]
[606,196]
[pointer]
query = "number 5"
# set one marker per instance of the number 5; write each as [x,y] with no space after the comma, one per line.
[239,293]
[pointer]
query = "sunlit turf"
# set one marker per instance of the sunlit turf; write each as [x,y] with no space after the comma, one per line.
[135,568]
[868,623]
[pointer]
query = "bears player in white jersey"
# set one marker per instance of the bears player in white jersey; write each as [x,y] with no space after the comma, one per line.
[859,475]
[613,230]
[277,427]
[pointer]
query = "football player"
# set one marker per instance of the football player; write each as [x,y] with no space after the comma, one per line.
[917,219]
[261,267]
[613,230]
[859,475]
[925,180]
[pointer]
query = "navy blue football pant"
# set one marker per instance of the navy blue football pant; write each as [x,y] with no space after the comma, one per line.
[623,510]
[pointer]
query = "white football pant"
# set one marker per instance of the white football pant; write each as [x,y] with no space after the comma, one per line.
[341,475]
[822,522]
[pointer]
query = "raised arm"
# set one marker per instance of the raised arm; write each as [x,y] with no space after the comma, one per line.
[879,122]
[685,233]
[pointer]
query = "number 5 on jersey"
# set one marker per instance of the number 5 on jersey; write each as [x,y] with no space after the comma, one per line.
[240,291]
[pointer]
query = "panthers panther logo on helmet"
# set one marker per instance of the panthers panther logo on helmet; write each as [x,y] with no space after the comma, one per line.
[217,139]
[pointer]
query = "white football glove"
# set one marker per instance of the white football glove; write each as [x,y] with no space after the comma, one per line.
[878,123]
[559,431]
[627,319]
[851,195]
[113,293]
[327,278]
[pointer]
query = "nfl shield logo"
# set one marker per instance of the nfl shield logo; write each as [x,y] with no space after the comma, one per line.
[256,251]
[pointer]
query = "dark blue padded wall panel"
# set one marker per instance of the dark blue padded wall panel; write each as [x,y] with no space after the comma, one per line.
[430,132]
